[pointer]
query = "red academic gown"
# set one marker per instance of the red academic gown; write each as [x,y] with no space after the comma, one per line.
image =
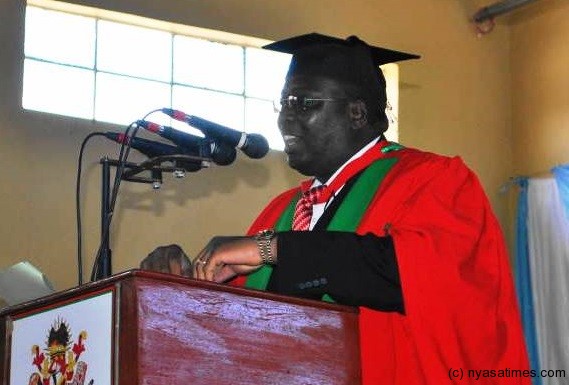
[461,323]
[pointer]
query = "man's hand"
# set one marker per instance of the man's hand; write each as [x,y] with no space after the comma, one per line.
[168,259]
[226,257]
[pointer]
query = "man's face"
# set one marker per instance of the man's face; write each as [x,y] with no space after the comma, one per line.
[318,138]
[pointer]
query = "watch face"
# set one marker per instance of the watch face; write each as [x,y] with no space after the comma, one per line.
[266,234]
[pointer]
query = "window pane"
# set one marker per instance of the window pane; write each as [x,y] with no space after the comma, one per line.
[58,89]
[220,108]
[265,72]
[391,73]
[60,37]
[206,64]
[261,117]
[135,51]
[123,100]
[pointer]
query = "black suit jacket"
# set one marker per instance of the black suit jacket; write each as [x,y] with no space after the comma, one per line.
[357,270]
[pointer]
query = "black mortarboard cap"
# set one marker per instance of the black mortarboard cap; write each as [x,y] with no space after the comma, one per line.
[350,60]
[378,55]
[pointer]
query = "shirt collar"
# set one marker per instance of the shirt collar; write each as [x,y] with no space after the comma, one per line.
[358,154]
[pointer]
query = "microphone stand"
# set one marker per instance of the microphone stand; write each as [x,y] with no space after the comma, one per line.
[179,164]
[104,264]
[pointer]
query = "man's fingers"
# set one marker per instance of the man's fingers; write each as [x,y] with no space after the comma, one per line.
[200,267]
[200,262]
[212,266]
[175,267]
[224,274]
[220,261]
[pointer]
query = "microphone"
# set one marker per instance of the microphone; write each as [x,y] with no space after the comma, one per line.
[153,149]
[220,153]
[253,145]
[148,147]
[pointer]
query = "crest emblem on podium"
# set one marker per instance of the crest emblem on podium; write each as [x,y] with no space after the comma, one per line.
[68,342]
[58,362]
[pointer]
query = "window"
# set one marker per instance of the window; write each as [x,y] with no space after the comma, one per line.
[112,71]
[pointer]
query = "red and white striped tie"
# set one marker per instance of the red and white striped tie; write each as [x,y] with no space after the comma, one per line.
[303,210]
[322,193]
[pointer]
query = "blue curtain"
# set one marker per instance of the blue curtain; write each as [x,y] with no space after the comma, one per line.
[523,278]
[561,174]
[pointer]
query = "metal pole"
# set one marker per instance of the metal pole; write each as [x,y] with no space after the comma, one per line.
[494,10]
[104,268]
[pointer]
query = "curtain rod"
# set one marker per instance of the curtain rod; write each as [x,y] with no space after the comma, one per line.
[514,180]
[491,11]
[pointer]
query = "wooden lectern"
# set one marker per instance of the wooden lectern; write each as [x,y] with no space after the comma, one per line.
[162,329]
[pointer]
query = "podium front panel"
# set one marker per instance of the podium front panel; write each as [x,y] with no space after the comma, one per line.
[173,330]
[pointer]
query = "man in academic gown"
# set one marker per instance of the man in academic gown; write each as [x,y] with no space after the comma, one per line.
[407,236]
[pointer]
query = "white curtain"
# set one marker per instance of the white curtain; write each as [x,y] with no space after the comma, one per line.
[548,246]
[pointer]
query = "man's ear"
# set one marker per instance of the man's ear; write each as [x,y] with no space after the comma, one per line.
[358,114]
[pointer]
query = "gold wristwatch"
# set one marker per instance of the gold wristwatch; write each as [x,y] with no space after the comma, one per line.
[263,239]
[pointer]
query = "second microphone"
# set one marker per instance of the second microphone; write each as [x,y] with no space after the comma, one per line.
[220,153]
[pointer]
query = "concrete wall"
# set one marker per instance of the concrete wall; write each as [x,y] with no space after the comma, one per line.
[540,86]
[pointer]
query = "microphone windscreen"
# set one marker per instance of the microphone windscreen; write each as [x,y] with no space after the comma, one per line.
[256,146]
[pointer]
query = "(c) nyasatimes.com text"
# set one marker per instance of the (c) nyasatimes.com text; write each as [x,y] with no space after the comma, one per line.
[459,373]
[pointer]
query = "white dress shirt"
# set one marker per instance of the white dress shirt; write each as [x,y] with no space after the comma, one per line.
[318,209]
